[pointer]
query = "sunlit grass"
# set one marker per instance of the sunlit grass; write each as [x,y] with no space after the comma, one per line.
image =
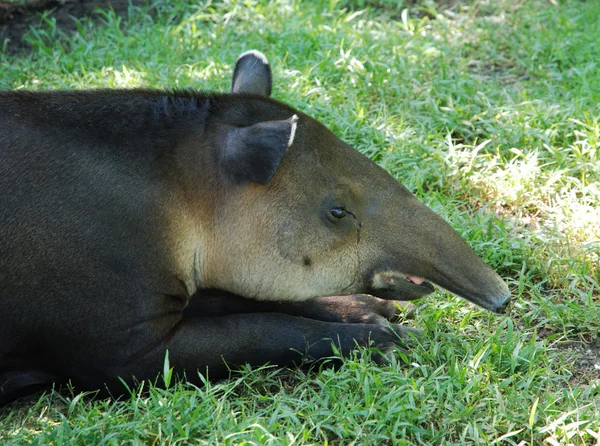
[488,112]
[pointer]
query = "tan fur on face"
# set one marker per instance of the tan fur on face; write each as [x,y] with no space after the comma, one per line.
[267,242]
[245,258]
[386,279]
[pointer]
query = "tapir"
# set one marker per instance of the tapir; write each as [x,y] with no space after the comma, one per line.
[226,229]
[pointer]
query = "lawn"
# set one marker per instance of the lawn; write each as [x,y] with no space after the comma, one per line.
[489,111]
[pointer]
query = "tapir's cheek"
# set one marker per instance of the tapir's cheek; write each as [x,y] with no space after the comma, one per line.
[295,242]
[301,237]
[372,210]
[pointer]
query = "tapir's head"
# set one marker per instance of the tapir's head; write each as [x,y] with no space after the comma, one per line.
[301,214]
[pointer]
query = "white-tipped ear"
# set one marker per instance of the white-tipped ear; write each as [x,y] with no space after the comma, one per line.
[253,154]
[252,74]
[294,124]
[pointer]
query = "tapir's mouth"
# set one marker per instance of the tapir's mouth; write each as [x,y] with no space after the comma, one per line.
[419,281]
[397,286]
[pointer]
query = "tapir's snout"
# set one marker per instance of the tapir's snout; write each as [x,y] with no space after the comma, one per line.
[421,249]
[492,293]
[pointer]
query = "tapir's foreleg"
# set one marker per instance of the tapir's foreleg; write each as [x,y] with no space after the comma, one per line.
[17,383]
[359,308]
[213,345]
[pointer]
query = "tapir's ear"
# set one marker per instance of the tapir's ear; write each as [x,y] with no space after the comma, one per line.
[252,74]
[253,154]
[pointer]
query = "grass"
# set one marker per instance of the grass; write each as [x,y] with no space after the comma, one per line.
[488,111]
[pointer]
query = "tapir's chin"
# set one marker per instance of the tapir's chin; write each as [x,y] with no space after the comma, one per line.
[496,301]
[398,286]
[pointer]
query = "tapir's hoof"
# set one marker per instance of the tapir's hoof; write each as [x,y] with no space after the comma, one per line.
[406,338]
[403,308]
[366,309]
[384,310]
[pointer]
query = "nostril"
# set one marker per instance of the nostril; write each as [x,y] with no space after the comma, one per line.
[501,309]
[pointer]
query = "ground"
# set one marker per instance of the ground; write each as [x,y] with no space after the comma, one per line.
[486,110]
[17,17]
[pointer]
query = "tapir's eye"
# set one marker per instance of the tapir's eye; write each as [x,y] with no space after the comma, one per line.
[338,212]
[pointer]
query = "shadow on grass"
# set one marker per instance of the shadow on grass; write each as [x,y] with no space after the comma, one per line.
[16,18]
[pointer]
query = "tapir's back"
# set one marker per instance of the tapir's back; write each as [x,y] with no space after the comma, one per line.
[78,213]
